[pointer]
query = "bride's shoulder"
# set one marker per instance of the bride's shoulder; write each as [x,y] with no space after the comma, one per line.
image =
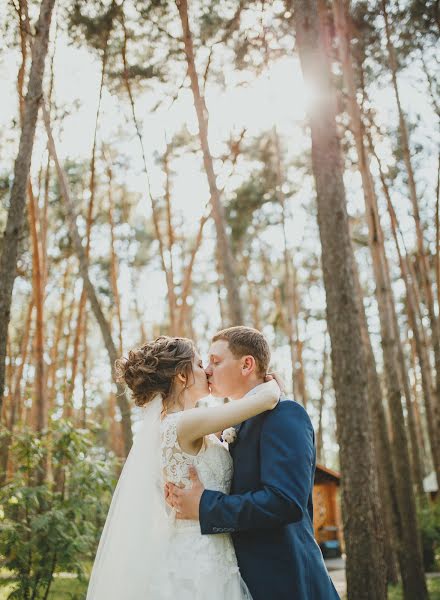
[169,421]
[168,417]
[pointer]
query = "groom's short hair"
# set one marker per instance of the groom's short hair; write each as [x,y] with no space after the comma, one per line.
[243,341]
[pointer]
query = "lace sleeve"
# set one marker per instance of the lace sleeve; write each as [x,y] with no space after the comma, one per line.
[174,462]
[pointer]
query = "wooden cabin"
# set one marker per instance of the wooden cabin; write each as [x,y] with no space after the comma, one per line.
[327,520]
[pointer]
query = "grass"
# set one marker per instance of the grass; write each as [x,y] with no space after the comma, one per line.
[395,593]
[61,589]
[72,589]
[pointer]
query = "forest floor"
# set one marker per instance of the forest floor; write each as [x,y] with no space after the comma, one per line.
[64,587]
[67,587]
[394,593]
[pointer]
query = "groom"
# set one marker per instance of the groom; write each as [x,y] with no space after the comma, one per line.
[269,511]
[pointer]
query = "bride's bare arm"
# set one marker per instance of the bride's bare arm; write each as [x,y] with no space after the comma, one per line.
[198,422]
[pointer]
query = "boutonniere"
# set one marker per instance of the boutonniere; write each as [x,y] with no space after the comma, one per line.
[229,435]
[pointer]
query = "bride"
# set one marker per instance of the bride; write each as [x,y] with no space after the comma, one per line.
[145,553]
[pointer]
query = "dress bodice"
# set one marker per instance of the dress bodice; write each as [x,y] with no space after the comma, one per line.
[213,462]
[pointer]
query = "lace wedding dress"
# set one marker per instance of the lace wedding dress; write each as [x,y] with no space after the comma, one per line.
[198,566]
[144,552]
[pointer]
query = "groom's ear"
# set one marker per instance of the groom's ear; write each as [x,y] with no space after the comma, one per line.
[248,365]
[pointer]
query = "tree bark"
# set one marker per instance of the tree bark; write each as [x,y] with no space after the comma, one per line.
[320,457]
[417,328]
[114,260]
[225,256]
[14,225]
[361,511]
[54,352]
[14,394]
[410,555]
[423,261]
[40,412]
[122,399]
[383,450]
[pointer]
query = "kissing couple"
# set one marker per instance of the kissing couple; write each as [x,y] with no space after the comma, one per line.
[193,520]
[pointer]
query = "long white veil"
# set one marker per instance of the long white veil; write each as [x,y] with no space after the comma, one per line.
[134,540]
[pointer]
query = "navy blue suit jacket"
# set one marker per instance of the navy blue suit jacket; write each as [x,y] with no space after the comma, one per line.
[270,511]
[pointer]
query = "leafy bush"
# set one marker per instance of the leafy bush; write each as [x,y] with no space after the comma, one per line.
[429,522]
[52,523]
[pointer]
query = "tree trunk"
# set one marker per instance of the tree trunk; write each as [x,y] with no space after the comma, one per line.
[187,276]
[420,427]
[40,413]
[122,399]
[172,300]
[383,451]
[417,328]
[437,232]
[362,519]
[14,225]
[84,373]
[422,256]
[14,394]
[114,261]
[54,353]
[226,258]
[410,555]
[320,458]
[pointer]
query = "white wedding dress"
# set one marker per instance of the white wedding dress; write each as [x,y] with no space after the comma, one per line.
[198,566]
[145,553]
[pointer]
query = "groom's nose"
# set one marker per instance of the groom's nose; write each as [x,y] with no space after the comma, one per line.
[208,371]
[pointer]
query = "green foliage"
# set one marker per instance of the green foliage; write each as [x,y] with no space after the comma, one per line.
[248,198]
[93,23]
[429,523]
[54,525]
[396,593]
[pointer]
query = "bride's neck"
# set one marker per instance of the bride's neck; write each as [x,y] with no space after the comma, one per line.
[174,404]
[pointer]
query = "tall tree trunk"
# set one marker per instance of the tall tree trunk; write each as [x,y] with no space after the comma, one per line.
[40,392]
[226,258]
[416,324]
[320,457]
[56,336]
[437,232]
[84,373]
[114,260]
[172,300]
[383,451]
[361,511]
[423,261]
[104,326]
[410,555]
[14,394]
[14,225]
[420,426]
[187,276]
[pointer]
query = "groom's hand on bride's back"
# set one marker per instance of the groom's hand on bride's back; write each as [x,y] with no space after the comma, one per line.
[185,501]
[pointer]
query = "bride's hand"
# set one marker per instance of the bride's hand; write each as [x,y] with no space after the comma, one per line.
[277,377]
[271,391]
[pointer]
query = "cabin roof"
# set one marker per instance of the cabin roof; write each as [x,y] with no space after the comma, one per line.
[326,475]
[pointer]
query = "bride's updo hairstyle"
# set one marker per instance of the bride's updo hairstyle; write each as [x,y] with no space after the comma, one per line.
[151,369]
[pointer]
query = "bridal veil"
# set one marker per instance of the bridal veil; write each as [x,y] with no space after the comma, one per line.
[135,537]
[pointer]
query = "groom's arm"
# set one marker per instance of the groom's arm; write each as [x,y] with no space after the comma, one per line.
[287,456]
